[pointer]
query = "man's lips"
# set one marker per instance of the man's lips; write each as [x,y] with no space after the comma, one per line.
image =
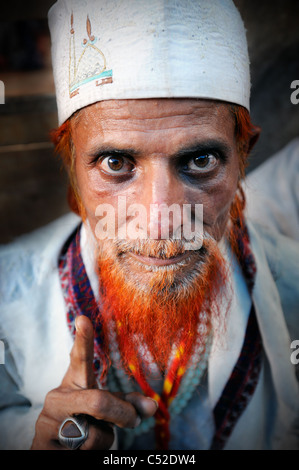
[153,261]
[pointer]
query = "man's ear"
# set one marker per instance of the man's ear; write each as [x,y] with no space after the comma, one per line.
[256,132]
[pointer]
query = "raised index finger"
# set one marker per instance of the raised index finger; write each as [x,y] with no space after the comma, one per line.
[80,372]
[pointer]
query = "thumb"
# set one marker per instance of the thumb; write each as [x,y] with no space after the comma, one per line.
[145,406]
[80,372]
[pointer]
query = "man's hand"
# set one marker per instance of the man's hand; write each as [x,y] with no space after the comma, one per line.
[78,394]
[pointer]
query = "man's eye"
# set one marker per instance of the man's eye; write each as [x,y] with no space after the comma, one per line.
[202,162]
[115,164]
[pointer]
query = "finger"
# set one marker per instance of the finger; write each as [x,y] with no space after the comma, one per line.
[100,404]
[45,431]
[100,436]
[80,373]
[46,445]
[46,434]
[145,406]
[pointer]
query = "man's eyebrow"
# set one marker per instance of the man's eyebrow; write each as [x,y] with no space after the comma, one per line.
[109,150]
[106,150]
[209,145]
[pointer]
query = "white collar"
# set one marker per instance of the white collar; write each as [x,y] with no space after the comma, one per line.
[226,349]
[88,247]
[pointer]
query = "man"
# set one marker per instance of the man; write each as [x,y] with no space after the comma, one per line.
[176,342]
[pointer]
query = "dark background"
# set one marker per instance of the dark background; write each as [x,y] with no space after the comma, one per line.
[32,182]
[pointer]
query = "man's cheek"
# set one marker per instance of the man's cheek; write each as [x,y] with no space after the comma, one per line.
[216,213]
[103,218]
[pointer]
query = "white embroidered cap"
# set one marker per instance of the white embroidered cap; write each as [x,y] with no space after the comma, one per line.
[126,49]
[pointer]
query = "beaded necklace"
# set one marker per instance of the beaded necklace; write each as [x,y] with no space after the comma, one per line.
[189,381]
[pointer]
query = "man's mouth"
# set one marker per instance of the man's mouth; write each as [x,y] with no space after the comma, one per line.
[158,261]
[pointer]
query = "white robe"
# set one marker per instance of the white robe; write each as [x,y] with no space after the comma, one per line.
[272,191]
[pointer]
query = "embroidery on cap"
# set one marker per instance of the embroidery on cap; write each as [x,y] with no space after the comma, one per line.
[91,64]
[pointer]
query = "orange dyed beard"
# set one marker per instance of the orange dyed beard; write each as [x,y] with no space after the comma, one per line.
[158,307]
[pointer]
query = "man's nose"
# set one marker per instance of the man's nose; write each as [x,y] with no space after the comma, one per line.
[163,196]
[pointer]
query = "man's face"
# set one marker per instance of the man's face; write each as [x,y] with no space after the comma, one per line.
[158,152]
[162,151]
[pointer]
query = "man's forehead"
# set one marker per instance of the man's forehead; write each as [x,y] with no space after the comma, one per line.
[139,124]
[149,110]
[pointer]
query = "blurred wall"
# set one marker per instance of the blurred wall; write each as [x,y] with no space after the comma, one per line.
[273,42]
[32,182]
